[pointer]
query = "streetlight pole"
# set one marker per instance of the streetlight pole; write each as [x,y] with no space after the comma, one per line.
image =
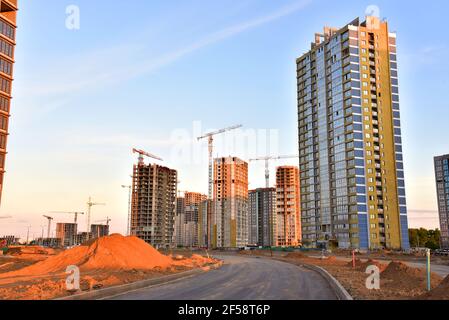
[28,234]
[128,231]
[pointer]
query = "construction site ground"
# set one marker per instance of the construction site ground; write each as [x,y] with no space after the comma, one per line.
[24,276]
[399,280]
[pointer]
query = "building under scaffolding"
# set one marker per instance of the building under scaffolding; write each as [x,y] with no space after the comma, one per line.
[99,230]
[67,232]
[153,205]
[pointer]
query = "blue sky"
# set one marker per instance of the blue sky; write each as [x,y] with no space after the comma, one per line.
[140,74]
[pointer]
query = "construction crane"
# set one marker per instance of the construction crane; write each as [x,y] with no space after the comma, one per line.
[69,212]
[143,154]
[107,220]
[267,165]
[49,225]
[210,137]
[90,204]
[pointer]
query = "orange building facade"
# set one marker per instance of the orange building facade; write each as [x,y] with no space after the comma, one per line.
[8,13]
[288,207]
[230,214]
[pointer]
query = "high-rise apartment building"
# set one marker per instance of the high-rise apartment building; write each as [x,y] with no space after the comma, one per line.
[188,218]
[67,232]
[204,223]
[180,218]
[288,207]
[8,13]
[99,230]
[262,217]
[442,180]
[230,214]
[351,161]
[153,206]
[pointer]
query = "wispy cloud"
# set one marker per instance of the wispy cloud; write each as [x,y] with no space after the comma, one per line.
[100,69]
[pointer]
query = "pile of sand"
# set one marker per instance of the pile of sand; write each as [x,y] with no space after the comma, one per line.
[362,266]
[114,252]
[399,274]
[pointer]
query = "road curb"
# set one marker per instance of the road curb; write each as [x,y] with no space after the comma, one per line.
[339,290]
[115,290]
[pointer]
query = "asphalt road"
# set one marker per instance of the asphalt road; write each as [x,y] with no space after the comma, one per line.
[242,278]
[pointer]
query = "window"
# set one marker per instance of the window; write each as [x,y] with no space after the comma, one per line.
[3,123]
[4,104]
[5,66]
[5,85]
[3,141]
[6,48]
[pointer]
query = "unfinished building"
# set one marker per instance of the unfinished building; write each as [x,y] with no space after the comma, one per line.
[67,233]
[153,205]
[288,207]
[188,219]
[99,230]
[230,214]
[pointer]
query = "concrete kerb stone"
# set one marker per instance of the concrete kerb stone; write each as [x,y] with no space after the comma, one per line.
[339,290]
[115,290]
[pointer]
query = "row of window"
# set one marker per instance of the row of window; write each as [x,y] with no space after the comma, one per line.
[7,30]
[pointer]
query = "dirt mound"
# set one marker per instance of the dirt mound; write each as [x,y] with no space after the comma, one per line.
[439,293]
[400,269]
[400,274]
[295,255]
[114,252]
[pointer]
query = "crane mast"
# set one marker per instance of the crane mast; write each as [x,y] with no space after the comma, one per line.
[210,137]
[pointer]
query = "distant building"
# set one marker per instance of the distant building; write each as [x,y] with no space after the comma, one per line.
[187,220]
[262,217]
[99,230]
[83,237]
[153,207]
[288,223]
[9,240]
[204,223]
[230,214]
[67,233]
[180,219]
[49,242]
[8,13]
[442,181]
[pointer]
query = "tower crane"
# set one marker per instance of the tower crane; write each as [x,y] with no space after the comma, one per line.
[70,212]
[49,225]
[90,204]
[143,154]
[107,220]
[267,165]
[210,137]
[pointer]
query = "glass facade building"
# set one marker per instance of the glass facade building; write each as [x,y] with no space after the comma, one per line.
[351,163]
[442,181]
